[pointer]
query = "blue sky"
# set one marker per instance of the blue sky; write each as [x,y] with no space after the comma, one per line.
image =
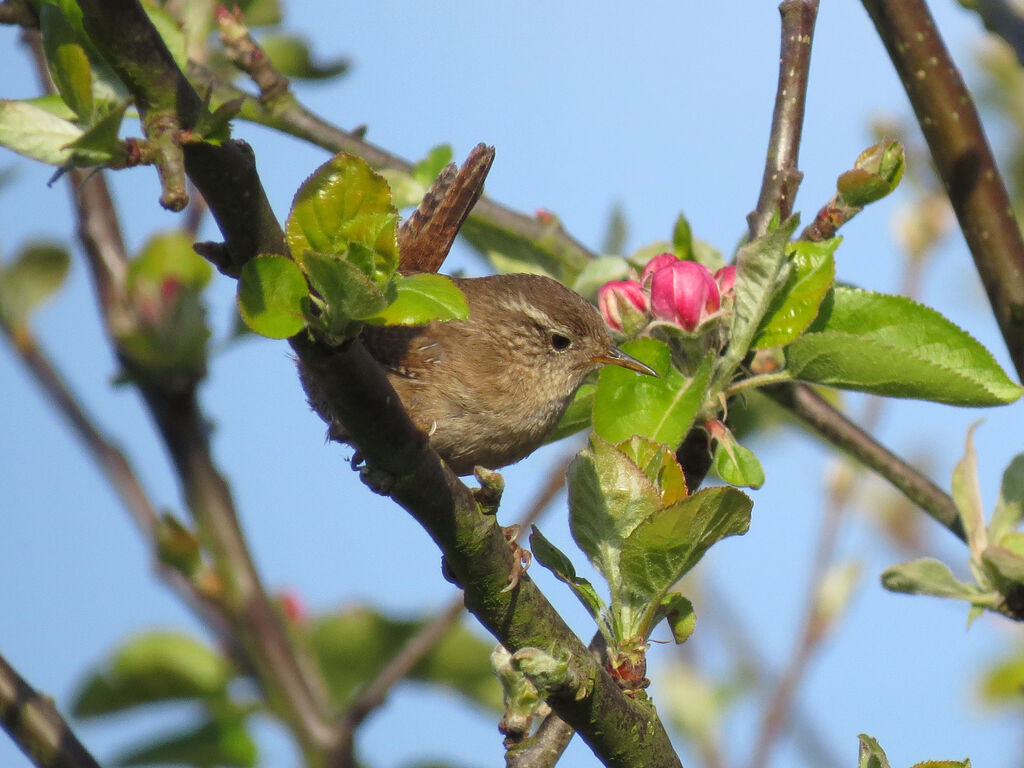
[660,109]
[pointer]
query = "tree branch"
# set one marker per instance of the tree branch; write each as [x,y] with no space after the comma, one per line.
[781,176]
[963,158]
[36,726]
[622,732]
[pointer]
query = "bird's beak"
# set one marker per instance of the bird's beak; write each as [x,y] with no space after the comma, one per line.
[616,356]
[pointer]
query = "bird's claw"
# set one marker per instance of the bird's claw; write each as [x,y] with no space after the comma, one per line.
[521,558]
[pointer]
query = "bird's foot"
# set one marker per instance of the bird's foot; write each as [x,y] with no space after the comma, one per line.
[521,558]
[379,481]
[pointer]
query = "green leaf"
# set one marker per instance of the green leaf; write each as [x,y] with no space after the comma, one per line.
[671,540]
[680,616]
[1004,561]
[170,255]
[927,576]
[345,202]
[347,293]
[30,279]
[876,173]
[1003,682]
[292,57]
[609,495]
[212,744]
[35,132]
[796,306]
[967,496]
[100,144]
[160,666]
[871,755]
[354,645]
[599,271]
[272,296]
[761,272]
[421,299]
[429,167]
[663,409]
[577,416]
[737,465]
[682,239]
[890,345]
[1009,511]
[552,558]
[658,462]
[67,61]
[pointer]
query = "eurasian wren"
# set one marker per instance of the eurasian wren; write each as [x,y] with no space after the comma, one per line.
[487,390]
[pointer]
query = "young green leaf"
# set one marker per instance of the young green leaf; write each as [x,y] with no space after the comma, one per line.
[927,576]
[967,496]
[737,465]
[609,495]
[662,409]
[671,540]
[159,666]
[891,345]
[100,144]
[429,167]
[345,291]
[293,58]
[682,238]
[170,255]
[345,202]
[36,132]
[1009,511]
[421,299]
[511,252]
[33,276]
[222,741]
[761,272]
[597,272]
[659,463]
[552,558]
[871,755]
[1009,565]
[67,61]
[272,296]
[681,618]
[796,306]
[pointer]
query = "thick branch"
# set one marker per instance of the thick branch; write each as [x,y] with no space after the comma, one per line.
[781,177]
[963,158]
[36,726]
[621,731]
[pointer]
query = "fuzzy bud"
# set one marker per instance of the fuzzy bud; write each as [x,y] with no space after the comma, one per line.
[684,294]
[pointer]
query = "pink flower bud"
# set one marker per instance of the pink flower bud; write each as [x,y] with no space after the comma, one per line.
[622,303]
[660,261]
[726,279]
[684,294]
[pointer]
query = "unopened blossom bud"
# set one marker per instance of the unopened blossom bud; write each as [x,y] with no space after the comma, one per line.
[623,304]
[660,261]
[684,294]
[726,279]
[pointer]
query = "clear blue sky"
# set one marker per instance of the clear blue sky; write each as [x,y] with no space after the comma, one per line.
[660,109]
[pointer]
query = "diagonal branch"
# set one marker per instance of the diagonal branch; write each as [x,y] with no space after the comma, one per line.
[963,158]
[621,732]
[781,176]
[36,726]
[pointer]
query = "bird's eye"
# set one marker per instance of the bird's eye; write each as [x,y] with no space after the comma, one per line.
[559,342]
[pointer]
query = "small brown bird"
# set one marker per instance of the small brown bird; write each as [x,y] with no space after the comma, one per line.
[487,390]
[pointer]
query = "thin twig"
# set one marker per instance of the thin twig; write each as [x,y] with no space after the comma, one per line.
[399,666]
[781,176]
[963,158]
[36,726]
